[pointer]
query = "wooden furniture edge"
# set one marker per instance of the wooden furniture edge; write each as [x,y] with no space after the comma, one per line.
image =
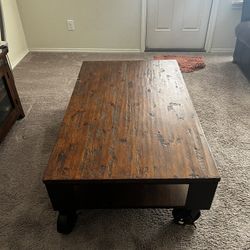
[215,178]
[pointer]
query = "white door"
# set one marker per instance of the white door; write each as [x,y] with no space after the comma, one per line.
[177,24]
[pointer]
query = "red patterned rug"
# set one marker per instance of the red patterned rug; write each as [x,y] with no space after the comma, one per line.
[187,63]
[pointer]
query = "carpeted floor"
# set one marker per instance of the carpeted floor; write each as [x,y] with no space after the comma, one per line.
[221,96]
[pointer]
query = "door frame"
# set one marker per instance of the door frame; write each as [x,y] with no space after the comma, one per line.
[210,29]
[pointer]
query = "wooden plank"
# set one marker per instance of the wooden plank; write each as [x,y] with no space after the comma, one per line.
[131,121]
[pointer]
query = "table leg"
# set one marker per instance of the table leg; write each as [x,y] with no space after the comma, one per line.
[66,221]
[62,197]
[200,196]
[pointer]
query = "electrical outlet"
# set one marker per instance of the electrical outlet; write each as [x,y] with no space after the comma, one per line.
[71,25]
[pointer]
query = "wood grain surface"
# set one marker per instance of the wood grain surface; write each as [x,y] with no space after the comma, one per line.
[130,121]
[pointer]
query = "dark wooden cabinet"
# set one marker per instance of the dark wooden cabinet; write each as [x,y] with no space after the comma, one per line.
[10,105]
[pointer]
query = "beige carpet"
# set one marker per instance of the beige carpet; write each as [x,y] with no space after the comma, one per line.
[221,96]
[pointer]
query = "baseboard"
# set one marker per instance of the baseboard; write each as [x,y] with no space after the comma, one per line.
[222,50]
[85,50]
[19,59]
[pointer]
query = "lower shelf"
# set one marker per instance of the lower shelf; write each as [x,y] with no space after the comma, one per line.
[120,195]
[136,196]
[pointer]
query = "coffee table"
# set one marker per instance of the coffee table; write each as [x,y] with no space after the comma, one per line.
[130,138]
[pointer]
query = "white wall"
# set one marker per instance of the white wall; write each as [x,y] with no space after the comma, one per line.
[227,19]
[104,24]
[111,24]
[14,32]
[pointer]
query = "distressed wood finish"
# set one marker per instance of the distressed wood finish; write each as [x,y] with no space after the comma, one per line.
[131,121]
